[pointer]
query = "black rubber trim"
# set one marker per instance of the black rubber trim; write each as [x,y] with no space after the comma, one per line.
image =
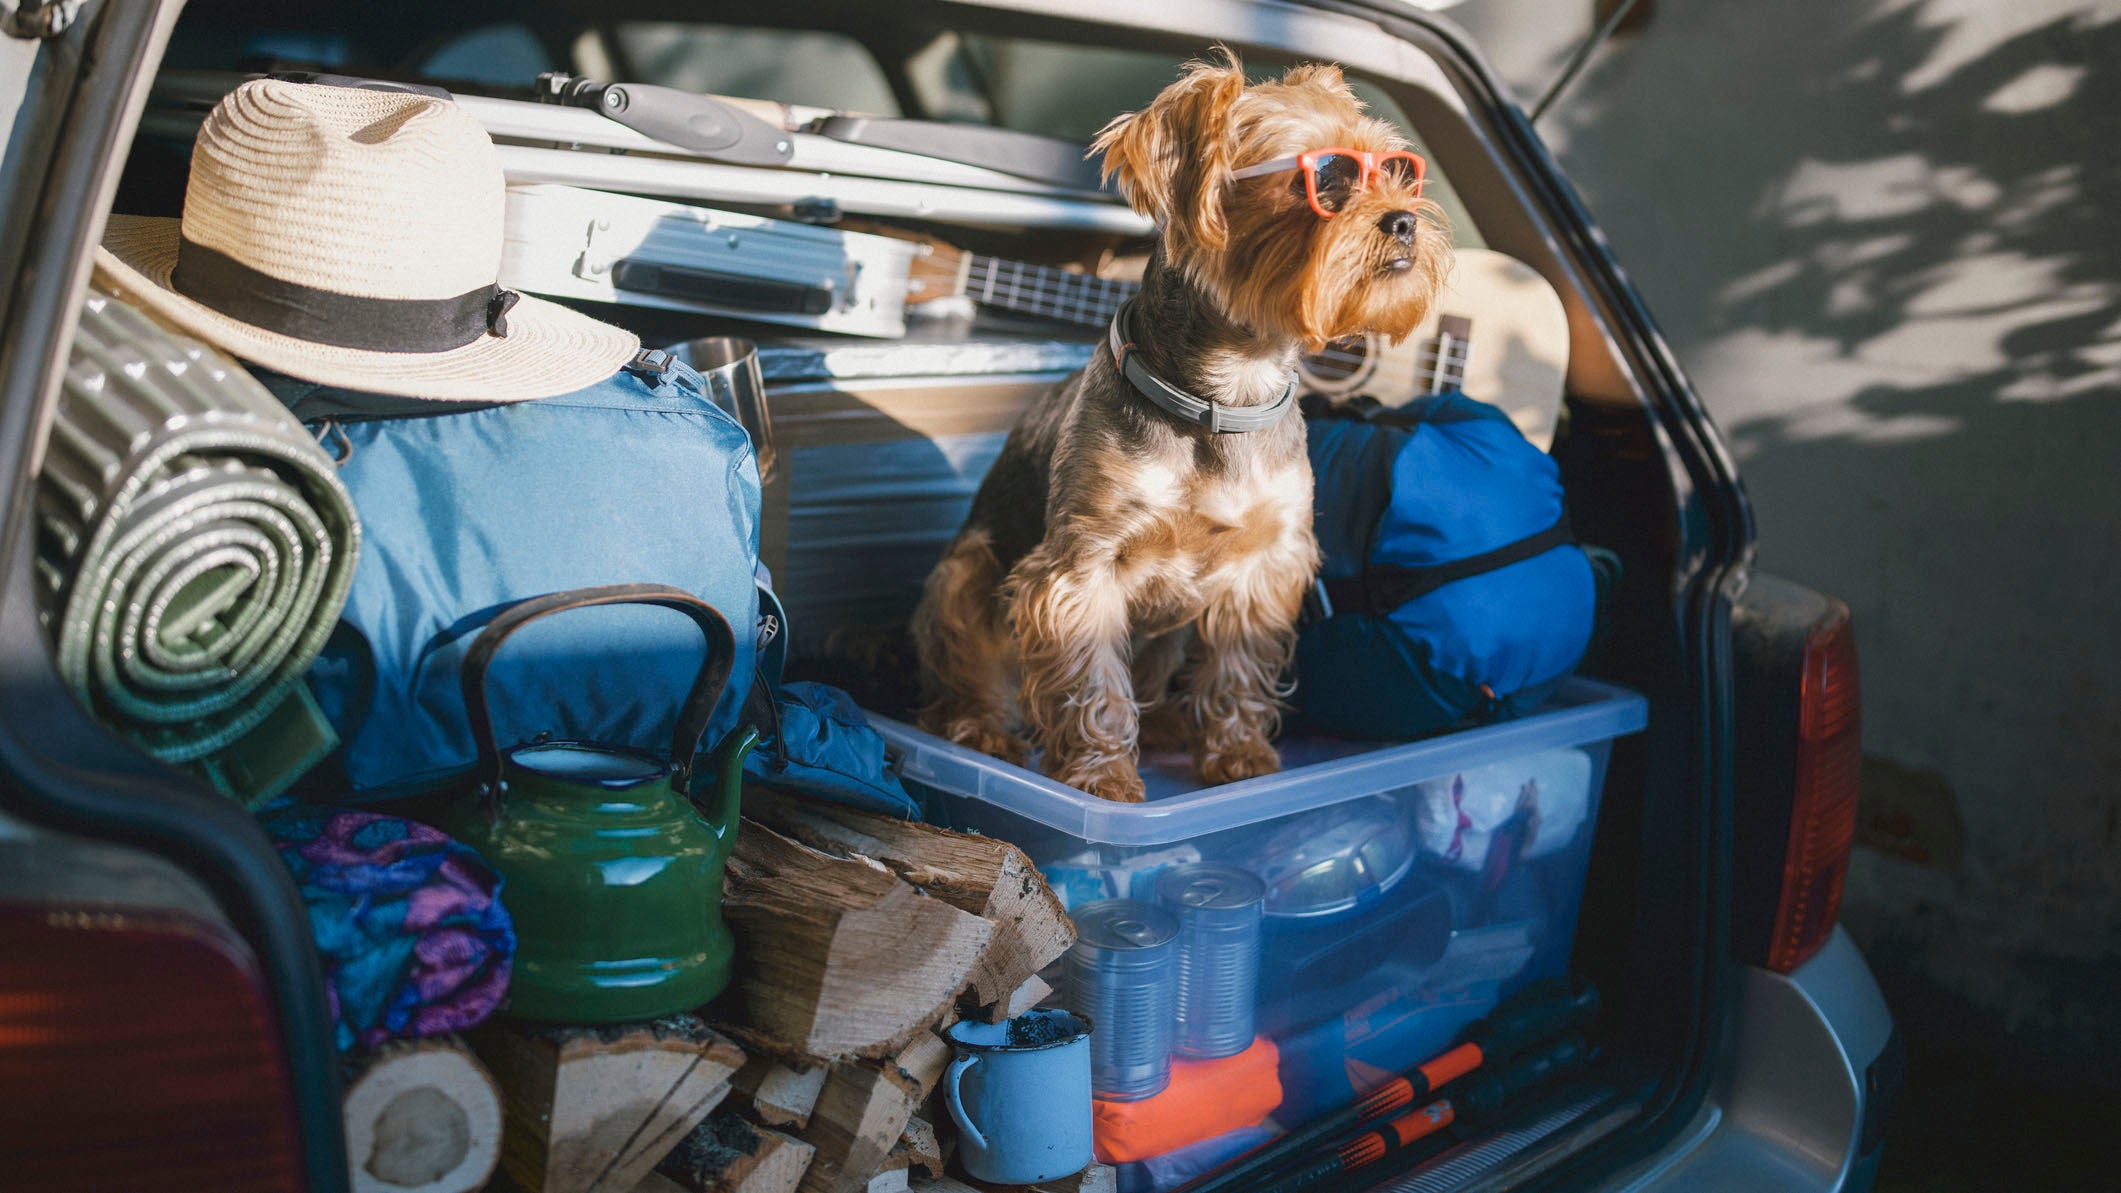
[59,769]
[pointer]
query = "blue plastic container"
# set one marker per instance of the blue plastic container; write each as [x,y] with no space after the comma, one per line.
[1409,887]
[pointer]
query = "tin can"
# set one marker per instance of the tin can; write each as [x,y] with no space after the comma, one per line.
[1219,910]
[1122,974]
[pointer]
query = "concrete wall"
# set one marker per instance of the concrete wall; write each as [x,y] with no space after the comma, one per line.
[1885,237]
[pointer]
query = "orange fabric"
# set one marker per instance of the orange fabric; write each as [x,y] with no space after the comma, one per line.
[1206,1098]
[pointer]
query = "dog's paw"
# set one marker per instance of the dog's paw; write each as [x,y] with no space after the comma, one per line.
[1120,788]
[1119,783]
[984,737]
[1237,760]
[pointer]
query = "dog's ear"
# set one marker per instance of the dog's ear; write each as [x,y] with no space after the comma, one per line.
[1173,158]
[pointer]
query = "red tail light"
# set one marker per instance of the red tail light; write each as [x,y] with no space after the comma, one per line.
[137,1050]
[1823,812]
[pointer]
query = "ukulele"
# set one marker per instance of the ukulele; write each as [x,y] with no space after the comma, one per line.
[1519,361]
[1523,329]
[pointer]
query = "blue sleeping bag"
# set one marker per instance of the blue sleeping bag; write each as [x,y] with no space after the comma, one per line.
[1451,586]
[640,478]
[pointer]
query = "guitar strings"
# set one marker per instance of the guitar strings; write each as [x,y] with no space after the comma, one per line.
[1093,298]
[1088,298]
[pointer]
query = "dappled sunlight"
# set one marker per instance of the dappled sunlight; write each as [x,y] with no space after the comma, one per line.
[1885,239]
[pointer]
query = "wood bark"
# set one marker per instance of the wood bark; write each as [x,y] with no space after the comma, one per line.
[842,959]
[730,1154]
[984,876]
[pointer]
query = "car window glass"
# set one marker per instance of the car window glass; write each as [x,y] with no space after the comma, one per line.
[827,70]
[1070,91]
[506,55]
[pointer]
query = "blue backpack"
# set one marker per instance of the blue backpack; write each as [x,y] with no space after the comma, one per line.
[640,478]
[1452,587]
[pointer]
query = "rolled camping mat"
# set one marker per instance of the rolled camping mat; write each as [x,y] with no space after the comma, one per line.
[194,548]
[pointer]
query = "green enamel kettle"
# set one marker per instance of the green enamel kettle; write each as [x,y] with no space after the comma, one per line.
[613,877]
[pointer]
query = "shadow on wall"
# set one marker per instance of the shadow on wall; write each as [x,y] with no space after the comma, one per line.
[1886,237]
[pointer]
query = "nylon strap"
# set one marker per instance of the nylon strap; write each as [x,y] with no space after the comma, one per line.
[1383,588]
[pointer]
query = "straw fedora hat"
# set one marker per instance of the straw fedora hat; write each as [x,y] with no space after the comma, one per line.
[352,237]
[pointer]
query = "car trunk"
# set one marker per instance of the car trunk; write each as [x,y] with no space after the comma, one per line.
[881,441]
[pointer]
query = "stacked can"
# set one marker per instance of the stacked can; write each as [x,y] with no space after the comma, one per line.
[1122,975]
[1219,910]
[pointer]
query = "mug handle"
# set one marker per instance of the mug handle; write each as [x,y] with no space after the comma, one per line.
[955,1099]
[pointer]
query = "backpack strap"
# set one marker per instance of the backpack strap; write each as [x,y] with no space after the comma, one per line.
[1382,588]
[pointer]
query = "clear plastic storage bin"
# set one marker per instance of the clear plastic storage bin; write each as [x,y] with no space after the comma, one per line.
[1402,890]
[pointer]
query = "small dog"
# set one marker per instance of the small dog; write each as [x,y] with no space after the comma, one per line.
[1135,561]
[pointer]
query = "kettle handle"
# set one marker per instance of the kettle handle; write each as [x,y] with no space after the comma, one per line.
[692,717]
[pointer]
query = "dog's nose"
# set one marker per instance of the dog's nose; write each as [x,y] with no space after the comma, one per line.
[1399,225]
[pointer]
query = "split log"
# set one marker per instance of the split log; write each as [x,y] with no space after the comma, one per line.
[987,877]
[781,1095]
[918,1151]
[843,960]
[422,1116]
[591,1109]
[863,1111]
[656,1182]
[728,1154]
[1025,998]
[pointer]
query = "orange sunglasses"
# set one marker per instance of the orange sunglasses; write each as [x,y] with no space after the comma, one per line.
[1334,175]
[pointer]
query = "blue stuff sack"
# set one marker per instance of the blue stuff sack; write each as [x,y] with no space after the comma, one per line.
[814,739]
[639,478]
[1451,586]
[818,742]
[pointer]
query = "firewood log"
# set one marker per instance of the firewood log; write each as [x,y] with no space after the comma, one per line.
[1026,997]
[422,1116]
[842,959]
[863,1111]
[918,1151]
[989,878]
[781,1095]
[592,1109]
[729,1154]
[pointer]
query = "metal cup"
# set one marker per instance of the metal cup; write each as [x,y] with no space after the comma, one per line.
[731,366]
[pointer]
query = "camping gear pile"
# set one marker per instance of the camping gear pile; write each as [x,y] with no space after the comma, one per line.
[475,601]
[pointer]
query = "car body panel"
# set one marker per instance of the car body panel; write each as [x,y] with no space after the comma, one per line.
[1790,1098]
[1777,1099]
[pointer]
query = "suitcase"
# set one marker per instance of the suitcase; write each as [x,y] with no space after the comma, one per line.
[566,242]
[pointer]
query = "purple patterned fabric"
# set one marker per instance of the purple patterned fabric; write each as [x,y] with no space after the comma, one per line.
[408,920]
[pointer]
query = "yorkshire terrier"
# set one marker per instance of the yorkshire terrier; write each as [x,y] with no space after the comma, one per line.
[1134,563]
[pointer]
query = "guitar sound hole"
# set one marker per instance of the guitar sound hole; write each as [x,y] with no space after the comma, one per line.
[1339,360]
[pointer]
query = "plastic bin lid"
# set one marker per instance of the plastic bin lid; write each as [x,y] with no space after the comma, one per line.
[1319,772]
